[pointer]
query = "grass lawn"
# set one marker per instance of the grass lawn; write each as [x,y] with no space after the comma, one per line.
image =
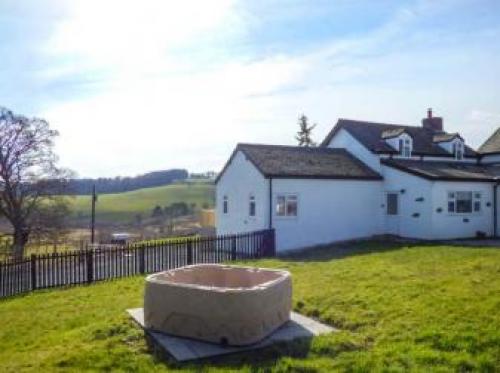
[399,308]
[123,207]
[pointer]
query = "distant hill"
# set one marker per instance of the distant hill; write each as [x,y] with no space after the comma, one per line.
[126,184]
[124,207]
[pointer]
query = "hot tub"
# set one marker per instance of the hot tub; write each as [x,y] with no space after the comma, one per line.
[218,303]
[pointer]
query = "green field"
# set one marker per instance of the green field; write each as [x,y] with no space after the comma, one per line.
[123,207]
[420,308]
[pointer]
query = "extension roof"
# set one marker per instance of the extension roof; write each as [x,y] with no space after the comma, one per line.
[295,162]
[447,171]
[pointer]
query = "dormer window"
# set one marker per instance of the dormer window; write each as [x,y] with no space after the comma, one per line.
[452,143]
[399,140]
[405,147]
[458,150]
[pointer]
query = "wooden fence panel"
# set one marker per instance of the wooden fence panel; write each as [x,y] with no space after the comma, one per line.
[106,262]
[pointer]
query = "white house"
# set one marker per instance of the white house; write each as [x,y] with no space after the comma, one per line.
[364,179]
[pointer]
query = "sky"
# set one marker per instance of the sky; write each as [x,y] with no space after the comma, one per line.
[136,86]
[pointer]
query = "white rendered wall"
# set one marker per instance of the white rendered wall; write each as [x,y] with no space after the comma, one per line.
[344,139]
[498,211]
[431,224]
[493,158]
[450,159]
[429,158]
[411,190]
[240,180]
[328,211]
[446,225]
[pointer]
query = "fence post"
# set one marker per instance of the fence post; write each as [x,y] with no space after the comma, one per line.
[141,260]
[269,243]
[233,248]
[189,252]
[33,271]
[90,266]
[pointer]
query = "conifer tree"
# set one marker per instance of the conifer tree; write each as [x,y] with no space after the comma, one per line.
[304,134]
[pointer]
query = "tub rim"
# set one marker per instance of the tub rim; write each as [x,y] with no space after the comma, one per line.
[284,275]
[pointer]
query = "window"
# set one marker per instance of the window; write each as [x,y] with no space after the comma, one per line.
[251,206]
[286,205]
[458,150]
[392,203]
[405,147]
[224,205]
[477,202]
[464,202]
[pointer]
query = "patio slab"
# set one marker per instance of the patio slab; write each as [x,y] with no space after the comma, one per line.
[185,349]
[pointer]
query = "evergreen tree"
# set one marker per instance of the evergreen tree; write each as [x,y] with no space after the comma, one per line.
[304,134]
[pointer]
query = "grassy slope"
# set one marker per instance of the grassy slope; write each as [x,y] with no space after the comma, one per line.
[124,206]
[418,308]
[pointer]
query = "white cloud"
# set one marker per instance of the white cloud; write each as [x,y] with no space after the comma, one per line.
[155,106]
[130,36]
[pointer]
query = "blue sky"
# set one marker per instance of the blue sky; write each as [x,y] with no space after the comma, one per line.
[134,86]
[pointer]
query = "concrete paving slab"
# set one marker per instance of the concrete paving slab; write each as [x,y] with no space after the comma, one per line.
[185,349]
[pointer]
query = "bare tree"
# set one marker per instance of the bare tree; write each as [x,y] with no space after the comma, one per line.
[29,177]
[304,134]
[49,223]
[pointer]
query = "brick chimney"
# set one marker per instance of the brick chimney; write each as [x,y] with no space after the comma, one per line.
[434,124]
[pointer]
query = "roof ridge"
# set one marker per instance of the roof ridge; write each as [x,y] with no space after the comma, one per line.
[379,123]
[491,137]
[293,147]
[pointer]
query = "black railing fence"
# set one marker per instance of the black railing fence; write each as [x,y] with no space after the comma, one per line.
[104,262]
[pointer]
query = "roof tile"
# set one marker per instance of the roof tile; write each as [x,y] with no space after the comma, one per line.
[306,162]
[370,135]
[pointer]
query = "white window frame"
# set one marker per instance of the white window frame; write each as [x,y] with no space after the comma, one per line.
[252,206]
[476,200]
[458,150]
[287,197]
[225,205]
[405,146]
[387,203]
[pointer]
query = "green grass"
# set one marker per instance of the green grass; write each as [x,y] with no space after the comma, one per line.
[123,207]
[421,308]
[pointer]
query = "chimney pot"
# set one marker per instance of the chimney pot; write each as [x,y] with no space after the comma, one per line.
[434,124]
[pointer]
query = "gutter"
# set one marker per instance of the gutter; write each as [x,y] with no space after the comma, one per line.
[495,207]
[270,203]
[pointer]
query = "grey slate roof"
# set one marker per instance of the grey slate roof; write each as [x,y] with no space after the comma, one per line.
[387,134]
[492,145]
[280,161]
[442,170]
[370,135]
[444,137]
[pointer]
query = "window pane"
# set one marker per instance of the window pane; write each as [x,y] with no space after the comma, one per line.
[392,204]
[477,206]
[464,202]
[280,206]
[451,206]
[291,206]
[251,206]
[224,205]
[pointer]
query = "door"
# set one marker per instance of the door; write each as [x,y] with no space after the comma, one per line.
[392,213]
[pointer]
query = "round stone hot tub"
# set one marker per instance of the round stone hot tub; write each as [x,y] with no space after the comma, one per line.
[218,303]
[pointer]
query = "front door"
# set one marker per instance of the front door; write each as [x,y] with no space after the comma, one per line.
[392,213]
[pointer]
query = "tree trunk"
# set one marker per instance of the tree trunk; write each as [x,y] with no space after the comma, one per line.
[20,239]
